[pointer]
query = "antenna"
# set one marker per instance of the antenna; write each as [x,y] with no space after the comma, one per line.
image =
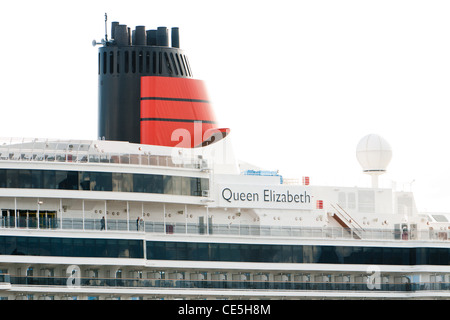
[104,41]
[106,28]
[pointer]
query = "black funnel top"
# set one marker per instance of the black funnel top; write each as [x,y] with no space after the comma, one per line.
[122,61]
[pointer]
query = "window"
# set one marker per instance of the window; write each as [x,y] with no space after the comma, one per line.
[12,178]
[122,182]
[102,181]
[112,248]
[235,251]
[181,250]
[154,183]
[85,181]
[172,185]
[3,182]
[202,251]
[49,178]
[100,248]
[55,247]
[124,249]
[32,245]
[170,251]
[155,250]
[160,250]
[185,185]
[25,178]
[214,251]
[138,183]
[36,179]
[255,253]
[117,181]
[22,246]
[66,180]
[225,252]
[297,254]
[197,185]
[81,248]
[285,254]
[68,247]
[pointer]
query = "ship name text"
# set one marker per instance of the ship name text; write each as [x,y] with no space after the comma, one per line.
[268,196]
[277,197]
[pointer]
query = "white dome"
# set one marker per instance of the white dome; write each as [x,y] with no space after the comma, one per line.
[374,154]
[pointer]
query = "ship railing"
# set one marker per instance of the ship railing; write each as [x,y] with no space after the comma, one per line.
[128,159]
[124,225]
[5,278]
[223,284]
[34,150]
[345,217]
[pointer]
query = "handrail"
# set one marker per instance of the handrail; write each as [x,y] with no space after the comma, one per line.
[178,228]
[228,284]
[349,219]
[80,151]
[109,158]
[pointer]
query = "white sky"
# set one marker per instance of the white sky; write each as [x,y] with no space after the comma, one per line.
[298,82]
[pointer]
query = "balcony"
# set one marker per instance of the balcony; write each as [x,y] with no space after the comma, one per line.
[78,151]
[409,287]
[242,230]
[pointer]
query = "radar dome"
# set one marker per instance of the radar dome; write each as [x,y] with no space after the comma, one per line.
[374,154]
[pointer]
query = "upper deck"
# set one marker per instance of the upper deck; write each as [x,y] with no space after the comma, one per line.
[93,152]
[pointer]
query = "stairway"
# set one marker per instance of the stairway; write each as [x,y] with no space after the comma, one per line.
[346,221]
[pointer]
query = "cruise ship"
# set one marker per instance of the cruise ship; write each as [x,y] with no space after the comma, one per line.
[160,207]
